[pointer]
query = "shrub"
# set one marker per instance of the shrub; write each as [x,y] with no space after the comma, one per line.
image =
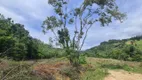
[82,59]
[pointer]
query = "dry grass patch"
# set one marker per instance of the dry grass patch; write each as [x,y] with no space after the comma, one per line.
[50,71]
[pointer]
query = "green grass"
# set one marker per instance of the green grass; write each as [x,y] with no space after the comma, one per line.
[97,74]
[100,67]
[116,64]
[125,67]
[139,44]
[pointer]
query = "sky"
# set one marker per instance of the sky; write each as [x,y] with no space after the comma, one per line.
[32,13]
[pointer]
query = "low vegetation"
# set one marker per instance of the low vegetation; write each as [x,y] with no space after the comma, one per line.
[11,70]
[60,69]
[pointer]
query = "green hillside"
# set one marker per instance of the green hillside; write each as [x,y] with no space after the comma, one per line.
[126,49]
[17,44]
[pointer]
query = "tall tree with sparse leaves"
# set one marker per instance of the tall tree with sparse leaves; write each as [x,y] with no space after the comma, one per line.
[81,19]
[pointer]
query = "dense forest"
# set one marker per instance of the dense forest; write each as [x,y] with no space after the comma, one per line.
[125,49]
[17,44]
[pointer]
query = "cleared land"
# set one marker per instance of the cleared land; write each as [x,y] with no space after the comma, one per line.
[122,75]
[60,69]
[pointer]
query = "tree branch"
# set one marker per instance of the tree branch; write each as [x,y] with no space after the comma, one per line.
[75,32]
[86,35]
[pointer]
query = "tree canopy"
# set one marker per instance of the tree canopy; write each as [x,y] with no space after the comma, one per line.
[16,43]
[81,19]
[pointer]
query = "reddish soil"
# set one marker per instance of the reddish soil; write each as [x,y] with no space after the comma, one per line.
[50,70]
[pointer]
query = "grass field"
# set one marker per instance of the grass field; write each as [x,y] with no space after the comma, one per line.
[60,69]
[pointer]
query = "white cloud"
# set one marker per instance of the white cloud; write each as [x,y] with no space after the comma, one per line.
[9,13]
[35,8]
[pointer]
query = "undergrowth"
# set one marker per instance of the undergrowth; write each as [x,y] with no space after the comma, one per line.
[11,70]
[94,69]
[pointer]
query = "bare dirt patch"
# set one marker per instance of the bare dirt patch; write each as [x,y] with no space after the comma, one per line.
[123,75]
[3,64]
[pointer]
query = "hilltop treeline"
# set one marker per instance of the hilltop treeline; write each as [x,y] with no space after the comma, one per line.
[125,49]
[16,43]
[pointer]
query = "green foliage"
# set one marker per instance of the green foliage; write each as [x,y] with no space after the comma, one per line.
[125,67]
[17,44]
[70,72]
[96,69]
[14,40]
[97,74]
[117,66]
[82,59]
[86,15]
[126,49]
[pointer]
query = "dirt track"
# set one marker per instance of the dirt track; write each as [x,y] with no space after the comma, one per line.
[123,75]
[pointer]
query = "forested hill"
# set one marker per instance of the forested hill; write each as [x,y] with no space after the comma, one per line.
[16,43]
[126,49]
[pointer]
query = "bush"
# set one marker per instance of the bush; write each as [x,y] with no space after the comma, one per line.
[70,72]
[82,59]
